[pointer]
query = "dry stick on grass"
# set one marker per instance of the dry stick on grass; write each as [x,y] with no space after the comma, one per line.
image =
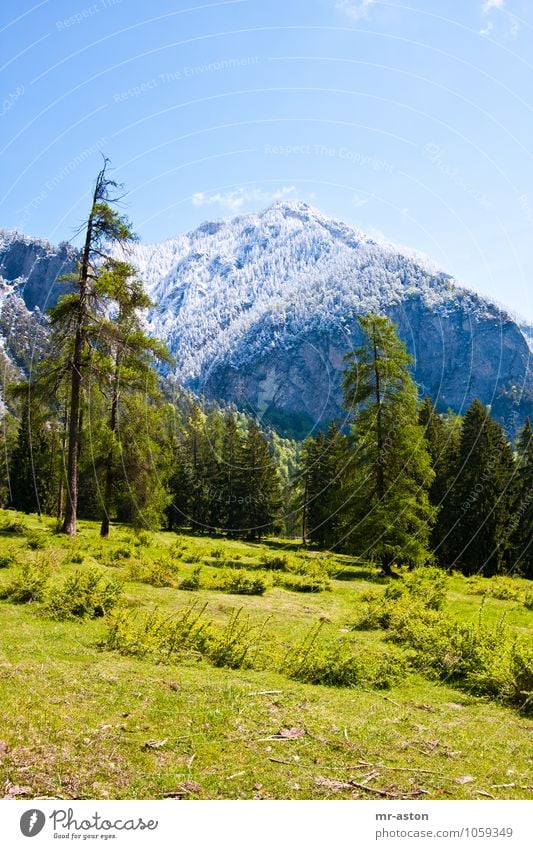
[266,693]
[385,793]
[387,699]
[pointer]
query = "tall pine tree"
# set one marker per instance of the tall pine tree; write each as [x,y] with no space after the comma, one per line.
[388,509]
[479,540]
[521,520]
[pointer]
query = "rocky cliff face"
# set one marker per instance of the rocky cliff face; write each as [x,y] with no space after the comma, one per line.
[30,272]
[261,310]
[34,268]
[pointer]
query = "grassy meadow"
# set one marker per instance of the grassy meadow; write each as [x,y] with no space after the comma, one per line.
[172,665]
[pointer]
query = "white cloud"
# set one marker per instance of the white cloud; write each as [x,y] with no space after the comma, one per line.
[234,200]
[490,6]
[356,9]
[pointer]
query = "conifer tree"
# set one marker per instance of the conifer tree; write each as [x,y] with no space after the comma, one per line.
[232,483]
[521,520]
[324,464]
[35,461]
[388,507]
[261,491]
[479,538]
[76,319]
[443,435]
[126,361]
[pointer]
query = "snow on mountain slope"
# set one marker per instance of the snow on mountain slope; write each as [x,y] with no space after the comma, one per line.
[289,263]
[260,310]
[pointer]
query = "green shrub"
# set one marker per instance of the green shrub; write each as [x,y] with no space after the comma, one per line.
[14,526]
[77,557]
[232,563]
[240,582]
[276,562]
[239,645]
[343,663]
[311,583]
[29,584]
[426,583]
[193,557]
[500,587]
[522,675]
[141,538]
[7,559]
[193,581]
[168,639]
[504,588]
[122,552]
[88,593]
[157,573]
[36,540]
[528,599]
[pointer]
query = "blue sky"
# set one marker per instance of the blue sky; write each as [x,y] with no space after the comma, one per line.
[413,120]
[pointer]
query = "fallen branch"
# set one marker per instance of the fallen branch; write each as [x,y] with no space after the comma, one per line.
[266,693]
[384,793]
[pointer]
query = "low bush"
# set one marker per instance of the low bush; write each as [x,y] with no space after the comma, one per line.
[88,593]
[14,526]
[142,538]
[275,562]
[427,584]
[7,559]
[28,584]
[240,582]
[240,645]
[310,583]
[169,639]
[528,599]
[77,557]
[157,573]
[193,581]
[343,663]
[121,552]
[36,540]
[499,587]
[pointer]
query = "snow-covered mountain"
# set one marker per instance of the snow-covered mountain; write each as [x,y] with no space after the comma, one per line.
[261,309]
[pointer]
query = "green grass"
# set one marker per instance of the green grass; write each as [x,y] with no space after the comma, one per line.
[81,721]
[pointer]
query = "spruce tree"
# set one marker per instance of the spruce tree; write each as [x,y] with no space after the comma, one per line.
[479,537]
[388,513]
[261,495]
[443,435]
[324,464]
[35,461]
[232,483]
[521,520]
